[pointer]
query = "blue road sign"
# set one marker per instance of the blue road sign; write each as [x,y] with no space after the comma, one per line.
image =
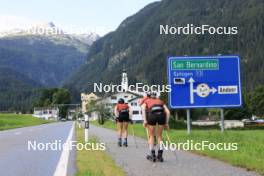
[204,82]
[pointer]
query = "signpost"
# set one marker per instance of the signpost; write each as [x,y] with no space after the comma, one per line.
[86,128]
[204,82]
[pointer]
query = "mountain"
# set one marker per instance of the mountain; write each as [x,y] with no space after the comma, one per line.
[30,61]
[46,58]
[138,46]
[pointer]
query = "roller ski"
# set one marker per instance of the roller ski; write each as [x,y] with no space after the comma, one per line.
[152,156]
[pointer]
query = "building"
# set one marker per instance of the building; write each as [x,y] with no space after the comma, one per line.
[72,113]
[86,98]
[131,97]
[233,124]
[47,113]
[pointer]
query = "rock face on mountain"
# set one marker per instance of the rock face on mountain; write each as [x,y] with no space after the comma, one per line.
[138,46]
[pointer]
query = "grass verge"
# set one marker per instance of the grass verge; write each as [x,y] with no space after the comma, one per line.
[250,153]
[10,121]
[94,162]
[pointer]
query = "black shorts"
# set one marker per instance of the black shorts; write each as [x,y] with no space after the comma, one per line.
[123,118]
[156,118]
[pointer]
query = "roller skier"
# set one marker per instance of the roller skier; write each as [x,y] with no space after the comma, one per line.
[155,112]
[123,117]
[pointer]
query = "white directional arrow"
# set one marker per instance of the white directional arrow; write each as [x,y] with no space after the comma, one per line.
[213,90]
[191,81]
[202,90]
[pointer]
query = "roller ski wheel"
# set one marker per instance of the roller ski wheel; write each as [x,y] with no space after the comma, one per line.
[151,158]
[125,144]
[160,159]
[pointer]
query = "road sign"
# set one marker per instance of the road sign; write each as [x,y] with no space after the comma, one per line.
[204,82]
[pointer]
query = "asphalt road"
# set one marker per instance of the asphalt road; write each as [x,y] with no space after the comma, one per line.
[17,160]
[134,162]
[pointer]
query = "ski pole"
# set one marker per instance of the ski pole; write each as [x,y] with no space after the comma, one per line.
[133,133]
[168,138]
[147,134]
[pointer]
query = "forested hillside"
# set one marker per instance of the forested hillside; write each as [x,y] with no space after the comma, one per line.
[40,59]
[17,92]
[138,46]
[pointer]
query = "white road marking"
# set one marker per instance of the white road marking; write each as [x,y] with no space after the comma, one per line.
[61,169]
[31,130]
[17,133]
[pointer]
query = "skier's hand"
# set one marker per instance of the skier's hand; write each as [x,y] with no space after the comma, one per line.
[145,124]
[166,126]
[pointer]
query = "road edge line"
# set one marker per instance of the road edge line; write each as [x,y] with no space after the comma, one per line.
[62,166]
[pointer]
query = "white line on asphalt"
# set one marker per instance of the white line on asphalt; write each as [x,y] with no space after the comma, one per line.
[31,130]
[61,169]
[17,133]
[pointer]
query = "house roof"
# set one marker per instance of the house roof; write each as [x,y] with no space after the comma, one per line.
[45,108]
[109,95]
[134,99]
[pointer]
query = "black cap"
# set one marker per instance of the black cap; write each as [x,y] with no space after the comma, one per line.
[153,94]
[121,101]
[148,94]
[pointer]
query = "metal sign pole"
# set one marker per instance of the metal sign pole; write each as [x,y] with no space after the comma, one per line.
[188,121]
[86,128]
[222,120]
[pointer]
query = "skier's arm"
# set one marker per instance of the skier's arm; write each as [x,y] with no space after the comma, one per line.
[143,107]
[167,112]
[116,112]
[130,113]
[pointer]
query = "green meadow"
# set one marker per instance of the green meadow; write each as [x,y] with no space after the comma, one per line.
[10,121]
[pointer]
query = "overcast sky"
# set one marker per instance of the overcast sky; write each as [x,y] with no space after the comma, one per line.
[100,16]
